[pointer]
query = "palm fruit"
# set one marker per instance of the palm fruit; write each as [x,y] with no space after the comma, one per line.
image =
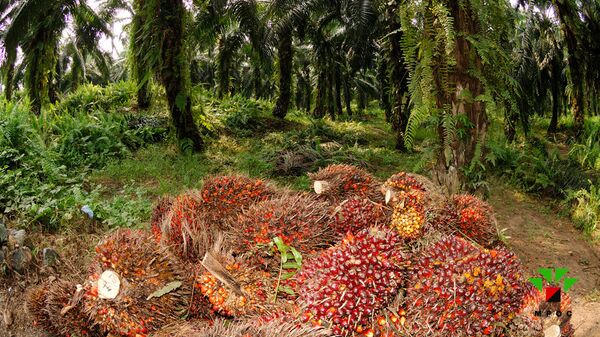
[136,287]
[65,311]
[227,196]
[471,217]
[340,182]
[36,306]
[408,215]
[355,214]
[232,288]
[301,221]
[457,289]
[177,227]
[347,285]
[252,328]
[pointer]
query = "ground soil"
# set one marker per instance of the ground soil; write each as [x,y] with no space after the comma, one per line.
[538,235]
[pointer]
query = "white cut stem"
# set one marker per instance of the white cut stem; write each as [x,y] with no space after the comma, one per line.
[389,195]
[321,186]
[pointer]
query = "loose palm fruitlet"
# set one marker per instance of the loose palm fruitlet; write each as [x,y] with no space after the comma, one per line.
[472,217]
[340,182]
[145,290]
[347,285]
[408,216]
[457,289]
[176,228]
[300,220]
[355,214]
[227,196]
[232,288]
[64,311]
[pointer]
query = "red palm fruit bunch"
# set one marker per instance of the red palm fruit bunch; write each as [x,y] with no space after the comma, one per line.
[472,217]
[61,311]
[409,213]
[458,289]
[227,196]
[146,288]
[300,220]
[340,182]
[177,227]
[232,288]
[347,285]
[355,214]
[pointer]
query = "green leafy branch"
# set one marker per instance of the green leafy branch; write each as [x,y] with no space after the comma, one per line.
[291,259]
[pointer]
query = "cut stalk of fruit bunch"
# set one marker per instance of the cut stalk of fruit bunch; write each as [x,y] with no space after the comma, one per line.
[143,286]
[349,284]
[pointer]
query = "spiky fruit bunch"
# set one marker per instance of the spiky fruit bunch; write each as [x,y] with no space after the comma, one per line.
[233,288]
[301,221]
[228,195]
[36,306]
[340,182]
[152,291]
[177,227]
[355,214]
[65,311]
[408,216]
[472,217]
[159,212]
[347,285]
[458,289]
[275,328]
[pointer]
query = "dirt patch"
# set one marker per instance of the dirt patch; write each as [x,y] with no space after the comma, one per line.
[543,239]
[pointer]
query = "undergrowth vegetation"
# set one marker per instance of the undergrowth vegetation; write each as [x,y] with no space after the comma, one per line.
[92,149]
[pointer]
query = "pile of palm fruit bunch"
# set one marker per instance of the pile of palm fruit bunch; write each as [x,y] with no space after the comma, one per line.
[241,257]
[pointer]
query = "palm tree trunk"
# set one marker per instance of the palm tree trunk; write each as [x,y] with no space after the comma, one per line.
[456,153]
[348,94]
[384,89]
[173,72]
[8,84]
[140,68]
[552,128]
[338,92]
[567,16]
[319,111]
[286,57]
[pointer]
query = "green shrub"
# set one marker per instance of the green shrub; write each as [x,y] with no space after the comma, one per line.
[90,98]
[44,163]
[586,208]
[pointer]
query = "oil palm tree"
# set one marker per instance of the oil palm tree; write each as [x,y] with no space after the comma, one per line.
[38,34]
[161,44]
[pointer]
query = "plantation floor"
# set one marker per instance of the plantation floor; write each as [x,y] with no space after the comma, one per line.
[543,239]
